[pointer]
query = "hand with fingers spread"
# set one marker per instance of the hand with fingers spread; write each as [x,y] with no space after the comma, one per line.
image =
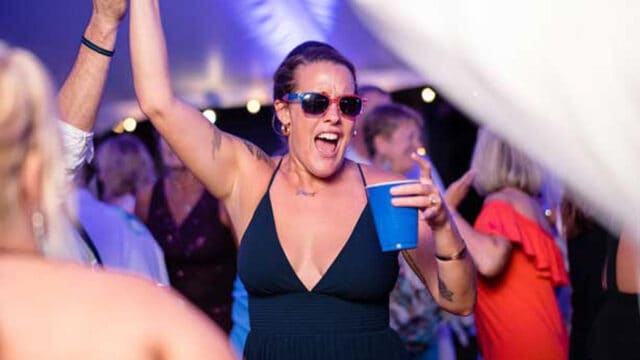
[423,195]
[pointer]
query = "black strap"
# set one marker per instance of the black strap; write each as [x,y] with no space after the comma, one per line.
[612,258]
[273,176]
[91,246]
[87,240]
[364,181]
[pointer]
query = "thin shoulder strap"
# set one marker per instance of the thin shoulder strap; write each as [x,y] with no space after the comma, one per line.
[364,181]
[88,242]
[612,258]
[273,176]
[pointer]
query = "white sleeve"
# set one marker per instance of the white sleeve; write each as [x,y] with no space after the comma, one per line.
[78,147]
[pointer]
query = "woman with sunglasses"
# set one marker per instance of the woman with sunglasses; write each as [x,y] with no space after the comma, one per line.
[309,256]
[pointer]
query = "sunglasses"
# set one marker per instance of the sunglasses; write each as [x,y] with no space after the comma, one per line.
[317,104]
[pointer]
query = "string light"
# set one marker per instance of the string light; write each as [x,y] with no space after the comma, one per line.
[118,129]
[253,106]
[211,115]
[428,95]
[129,124]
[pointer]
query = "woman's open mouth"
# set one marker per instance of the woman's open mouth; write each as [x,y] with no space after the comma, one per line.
[327,143]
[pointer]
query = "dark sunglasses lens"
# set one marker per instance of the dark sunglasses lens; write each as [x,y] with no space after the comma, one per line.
[314,103]
[351,105]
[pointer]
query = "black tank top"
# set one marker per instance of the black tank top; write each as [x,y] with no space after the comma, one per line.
[345,316]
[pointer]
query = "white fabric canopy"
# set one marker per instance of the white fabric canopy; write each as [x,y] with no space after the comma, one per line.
[560,79]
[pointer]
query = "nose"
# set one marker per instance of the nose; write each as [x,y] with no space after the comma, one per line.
[333,114]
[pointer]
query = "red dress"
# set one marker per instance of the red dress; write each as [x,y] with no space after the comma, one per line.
[517,315]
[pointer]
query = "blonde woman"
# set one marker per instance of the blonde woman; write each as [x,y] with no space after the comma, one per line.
[124,167]
[517,316]
[49,315]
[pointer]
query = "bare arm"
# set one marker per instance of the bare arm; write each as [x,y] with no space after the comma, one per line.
[81,92]
[490,254]
[215,157]
[451,282]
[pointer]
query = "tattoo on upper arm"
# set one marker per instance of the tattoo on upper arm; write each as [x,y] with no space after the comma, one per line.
[216,141]
[444,290]
[257,152]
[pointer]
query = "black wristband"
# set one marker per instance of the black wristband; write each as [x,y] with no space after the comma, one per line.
[459,255]
[86,42]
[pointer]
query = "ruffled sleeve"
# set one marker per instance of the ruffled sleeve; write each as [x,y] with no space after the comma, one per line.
[499,218]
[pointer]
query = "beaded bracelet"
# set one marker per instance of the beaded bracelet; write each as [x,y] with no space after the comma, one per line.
[86,42]
[458,255]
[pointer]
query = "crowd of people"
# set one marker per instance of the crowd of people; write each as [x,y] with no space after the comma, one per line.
[279,253]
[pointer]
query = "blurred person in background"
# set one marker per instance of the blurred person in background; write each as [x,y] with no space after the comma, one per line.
[193,229]
[124,166]
[40,300]
[518,260]
[357,148]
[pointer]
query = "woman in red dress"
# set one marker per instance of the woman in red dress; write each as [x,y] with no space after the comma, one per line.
[519,263]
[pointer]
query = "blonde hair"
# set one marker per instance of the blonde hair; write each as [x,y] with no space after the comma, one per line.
[124,166]
[27,123]
[499,165]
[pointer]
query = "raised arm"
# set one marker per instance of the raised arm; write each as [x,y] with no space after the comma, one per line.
[441,259]
[215,157]
[489,253]
[80,95]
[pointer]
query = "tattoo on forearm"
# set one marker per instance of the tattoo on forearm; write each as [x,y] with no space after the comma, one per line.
[216,141]
[444,291]
[257,152]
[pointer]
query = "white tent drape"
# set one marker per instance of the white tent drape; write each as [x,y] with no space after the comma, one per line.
[560,79]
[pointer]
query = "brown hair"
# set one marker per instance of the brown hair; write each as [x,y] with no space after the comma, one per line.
[384,119]
[306,53]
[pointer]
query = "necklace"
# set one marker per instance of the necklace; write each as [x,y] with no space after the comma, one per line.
[301,192]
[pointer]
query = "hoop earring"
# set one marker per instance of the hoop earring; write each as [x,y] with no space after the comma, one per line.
[38,226]
[286,129]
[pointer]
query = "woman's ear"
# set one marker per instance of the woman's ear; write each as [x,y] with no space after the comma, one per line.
[31,180]
[282,111]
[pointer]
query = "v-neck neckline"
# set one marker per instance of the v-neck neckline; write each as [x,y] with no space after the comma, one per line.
[174,221]
[333,262]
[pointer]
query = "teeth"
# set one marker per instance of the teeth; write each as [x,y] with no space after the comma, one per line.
[328,136]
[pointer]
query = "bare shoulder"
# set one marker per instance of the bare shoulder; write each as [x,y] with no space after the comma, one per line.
[144,320]
[498,196]
[373,175]
[522,202]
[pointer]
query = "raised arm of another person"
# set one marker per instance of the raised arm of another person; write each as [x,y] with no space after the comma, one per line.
[80,95]
[441,259]
[490,253]
[81,92]
[216,158]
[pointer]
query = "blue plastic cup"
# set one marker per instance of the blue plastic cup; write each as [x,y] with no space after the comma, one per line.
[397,227]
